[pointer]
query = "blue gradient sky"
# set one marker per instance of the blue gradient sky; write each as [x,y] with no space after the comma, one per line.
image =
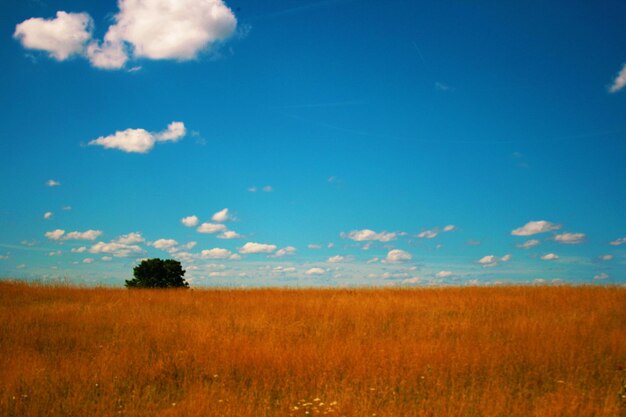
[399,117]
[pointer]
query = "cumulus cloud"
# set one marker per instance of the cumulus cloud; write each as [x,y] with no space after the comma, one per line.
[315,271]
[88,260]
[602,275]
[336,259]
[618,242]
[221,216]
[140,140]
[53,183]
[488,261]
[55,234]
[367,234]
[428,234]
[570,238]
[449,228]
[154,29]
[61,37]
[86,235]
[619,82]
[397,255]
[289,250]
[550,257]
[119,250]
[529,244]
[164,244]
[130,239]
[506,258]
[443,274]
[211,228]
[216,253]
[535,227]
[79,250]
[229,234]
[252,247]
[48,215]
[190,221]
[606,257]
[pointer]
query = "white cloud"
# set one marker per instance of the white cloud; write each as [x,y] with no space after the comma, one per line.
[606,257]
[413,280]
[190,221]
[373,260]
[618,242]
[428,234]
[55,253]
[367,234]
[116,249]
[79,250]
[252,189]
[61,37]
[315,271]
[164,244]
[397,255]
[602,275]
[267,189]
[449,228]
[535,227]
[252,247]
[48,215]
[314,246]
[216,253]
[106,258]
[529,244]
[284,270]
[229,234]
[55,234]
[53,183]
[506,258]
[140,140]
[221,216]
[570,238]
[211,228]
[107,55]
[130,238]
[550,257]
[88,260]
[443,274]
[619,82]
[488,261]
[289,250]
[86,235]
[336,259]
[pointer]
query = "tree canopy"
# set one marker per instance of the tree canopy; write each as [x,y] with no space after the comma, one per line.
[158,273]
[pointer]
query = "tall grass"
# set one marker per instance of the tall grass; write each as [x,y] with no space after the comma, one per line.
[502,351]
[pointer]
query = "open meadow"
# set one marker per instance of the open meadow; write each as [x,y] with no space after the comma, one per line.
[496,351]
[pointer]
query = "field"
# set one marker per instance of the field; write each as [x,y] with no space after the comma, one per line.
[499,351]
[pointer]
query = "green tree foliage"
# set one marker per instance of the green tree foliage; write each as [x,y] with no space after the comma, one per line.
[158,273]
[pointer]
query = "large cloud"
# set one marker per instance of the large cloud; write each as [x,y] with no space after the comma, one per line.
[153,29]
[535,227]
[140,140]
[61,37]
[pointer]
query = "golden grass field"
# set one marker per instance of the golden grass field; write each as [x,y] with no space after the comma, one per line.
[497,351]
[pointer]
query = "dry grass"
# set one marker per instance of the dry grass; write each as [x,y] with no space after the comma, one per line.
[511,351]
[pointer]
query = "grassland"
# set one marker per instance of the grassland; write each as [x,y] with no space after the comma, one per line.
[502,351]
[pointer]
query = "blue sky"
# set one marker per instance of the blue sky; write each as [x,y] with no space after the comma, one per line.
[350,142]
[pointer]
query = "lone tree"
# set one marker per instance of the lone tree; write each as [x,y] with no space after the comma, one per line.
[158,273]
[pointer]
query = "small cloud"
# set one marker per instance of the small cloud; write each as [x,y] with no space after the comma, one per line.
[506,258]
[252,247]
[229,234]
[289,250]
[55,234]
[443,87]
[619,82]
[570,238]
[600,276]
[550,257]
[164,244]
[119,250]
[55,253]
[106,258]
[130,239]
[86,235]
[216,253]
[53,183]
[412,281]
[366,234]
[397,255]
[66,208]
[606,257]
[618,242]
[252,189]
[79,250]
[267,189]
[488,261]
[88,260]
[529,244]
[473,243]
[315,271]
[373,260]
[211,228]
[428,234]
[189,221]
[222,216]
[450,228]
[535,227]
[314,246]
[48,215]
[140,140]
[443,274]
[336,259]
